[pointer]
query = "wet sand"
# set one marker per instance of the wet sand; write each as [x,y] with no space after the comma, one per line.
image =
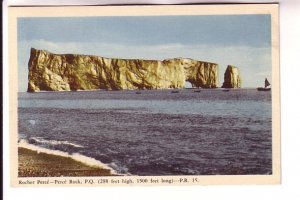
[34,164]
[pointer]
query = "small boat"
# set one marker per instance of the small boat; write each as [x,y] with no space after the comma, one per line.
[175,91]
[226,90]
[197,90]
[266,88]
[138,92]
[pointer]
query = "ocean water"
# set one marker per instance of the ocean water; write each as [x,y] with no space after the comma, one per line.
[156,132]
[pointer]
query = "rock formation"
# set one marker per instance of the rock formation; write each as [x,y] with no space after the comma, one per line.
[53,72]
[232,77]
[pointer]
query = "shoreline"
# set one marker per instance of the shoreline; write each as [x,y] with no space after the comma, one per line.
[32,163]
[167,89]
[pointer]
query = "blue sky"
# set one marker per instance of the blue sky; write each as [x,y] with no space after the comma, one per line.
[240,40]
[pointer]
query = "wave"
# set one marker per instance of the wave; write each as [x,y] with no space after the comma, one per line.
[54,142]
[75,156]
[32,122]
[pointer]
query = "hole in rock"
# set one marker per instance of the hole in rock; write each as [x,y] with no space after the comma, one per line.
[188,84]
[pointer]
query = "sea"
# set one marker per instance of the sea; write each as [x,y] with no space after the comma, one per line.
[154,132]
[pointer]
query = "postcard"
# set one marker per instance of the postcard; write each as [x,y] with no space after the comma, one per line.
[144,95]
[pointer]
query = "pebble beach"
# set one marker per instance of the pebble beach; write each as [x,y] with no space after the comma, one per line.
[37,164]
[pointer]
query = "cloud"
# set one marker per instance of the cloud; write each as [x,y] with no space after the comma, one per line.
[254,62]
[263,73]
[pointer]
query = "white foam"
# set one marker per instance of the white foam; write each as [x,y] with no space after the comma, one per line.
[76,156]
[32,122]
[54,142]
[123,169]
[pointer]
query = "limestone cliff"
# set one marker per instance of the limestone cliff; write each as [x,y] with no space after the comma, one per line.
[53,72]
[232,77]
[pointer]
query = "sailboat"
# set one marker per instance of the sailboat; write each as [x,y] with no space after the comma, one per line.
[266,86]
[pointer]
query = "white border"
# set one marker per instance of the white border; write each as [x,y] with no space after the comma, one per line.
[116,2]
[15,12]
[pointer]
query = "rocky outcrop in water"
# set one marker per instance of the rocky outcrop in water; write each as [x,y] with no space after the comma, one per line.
[232,78]
[53,72]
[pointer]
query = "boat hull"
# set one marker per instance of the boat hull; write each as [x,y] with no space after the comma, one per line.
[263,89]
